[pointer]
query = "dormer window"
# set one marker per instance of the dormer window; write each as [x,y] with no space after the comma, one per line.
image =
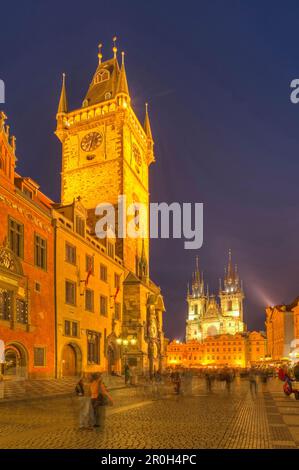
[27,192]
[85,103]
[102,76]
[108,95]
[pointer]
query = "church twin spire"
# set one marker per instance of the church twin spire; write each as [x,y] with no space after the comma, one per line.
[231,282]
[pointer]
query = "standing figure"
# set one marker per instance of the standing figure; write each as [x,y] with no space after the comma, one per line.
[252,382]
[82,391]
[127,374]
[100,398]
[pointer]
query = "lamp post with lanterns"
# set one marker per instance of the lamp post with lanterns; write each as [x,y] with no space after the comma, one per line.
[124,343]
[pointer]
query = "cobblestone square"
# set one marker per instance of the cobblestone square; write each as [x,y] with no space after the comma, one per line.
[221,419]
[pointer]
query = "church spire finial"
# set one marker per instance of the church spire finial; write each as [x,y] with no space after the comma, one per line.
[62,106]
[100,55]
[122,86]
[114,49]
[147,124]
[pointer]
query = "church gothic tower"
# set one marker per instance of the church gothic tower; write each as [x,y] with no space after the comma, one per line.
[206,317]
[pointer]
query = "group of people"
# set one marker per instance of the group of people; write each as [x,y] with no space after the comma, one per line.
[290,377]
[93,398]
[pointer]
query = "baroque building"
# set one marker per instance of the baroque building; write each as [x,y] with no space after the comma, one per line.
[27,321]
[207,317]
[282,326]
[89,295]
[239,351]
[106,154]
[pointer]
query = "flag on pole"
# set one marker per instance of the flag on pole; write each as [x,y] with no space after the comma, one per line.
[89,272]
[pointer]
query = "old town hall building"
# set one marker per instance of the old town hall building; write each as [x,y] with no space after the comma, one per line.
[71,303]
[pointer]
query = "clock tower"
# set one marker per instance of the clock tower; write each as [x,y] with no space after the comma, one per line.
[106,152]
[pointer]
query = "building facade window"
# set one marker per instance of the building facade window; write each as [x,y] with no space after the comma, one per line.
[21,311]
[70,292]
[70,253]
[117,311]
[103,305]
[16,237]
[117,281]
[89,264]
[71,328]
[103,273]
[80,226]
[39,357]
[40,252]
[89,300]
[110,249]
[93,347]
[5,304]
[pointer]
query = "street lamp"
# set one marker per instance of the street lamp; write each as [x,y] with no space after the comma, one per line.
[123,343]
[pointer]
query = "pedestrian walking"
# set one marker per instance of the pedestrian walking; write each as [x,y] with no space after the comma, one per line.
[100,398]
[127,374]
[85,411]
[208,381]
[1,386]
[252,382]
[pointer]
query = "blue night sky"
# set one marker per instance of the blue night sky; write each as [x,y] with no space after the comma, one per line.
[217,76]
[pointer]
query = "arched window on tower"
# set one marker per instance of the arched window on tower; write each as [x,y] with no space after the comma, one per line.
[229,305]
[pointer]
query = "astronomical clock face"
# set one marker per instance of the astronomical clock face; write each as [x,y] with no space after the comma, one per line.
[91,141]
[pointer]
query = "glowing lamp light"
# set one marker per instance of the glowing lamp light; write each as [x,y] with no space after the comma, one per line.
[119,341]
[125,342]
[133,341]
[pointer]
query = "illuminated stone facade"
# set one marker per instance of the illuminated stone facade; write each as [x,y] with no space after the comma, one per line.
[206,317]
[239,351]
[282,330]
[27,324]
[89,296]
[106,153]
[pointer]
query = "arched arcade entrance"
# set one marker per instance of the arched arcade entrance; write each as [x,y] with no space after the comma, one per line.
[71,360]
[16,361]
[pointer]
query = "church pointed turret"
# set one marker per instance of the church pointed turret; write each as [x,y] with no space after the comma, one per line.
[63,106]
[122,85]
[147,124]
[231,276]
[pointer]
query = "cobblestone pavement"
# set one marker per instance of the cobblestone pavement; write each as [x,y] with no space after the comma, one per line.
[220,419]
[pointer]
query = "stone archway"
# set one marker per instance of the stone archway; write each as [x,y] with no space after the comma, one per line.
[71,360]
[16,361]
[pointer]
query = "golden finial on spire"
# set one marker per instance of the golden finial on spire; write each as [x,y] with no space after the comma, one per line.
[123,58]
[114,46]
[100,55]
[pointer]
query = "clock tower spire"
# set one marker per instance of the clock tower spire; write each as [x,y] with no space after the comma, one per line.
[106,151]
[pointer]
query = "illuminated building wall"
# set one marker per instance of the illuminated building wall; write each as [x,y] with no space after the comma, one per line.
[282,332]
[89,296]
[26,269]
[239,350]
